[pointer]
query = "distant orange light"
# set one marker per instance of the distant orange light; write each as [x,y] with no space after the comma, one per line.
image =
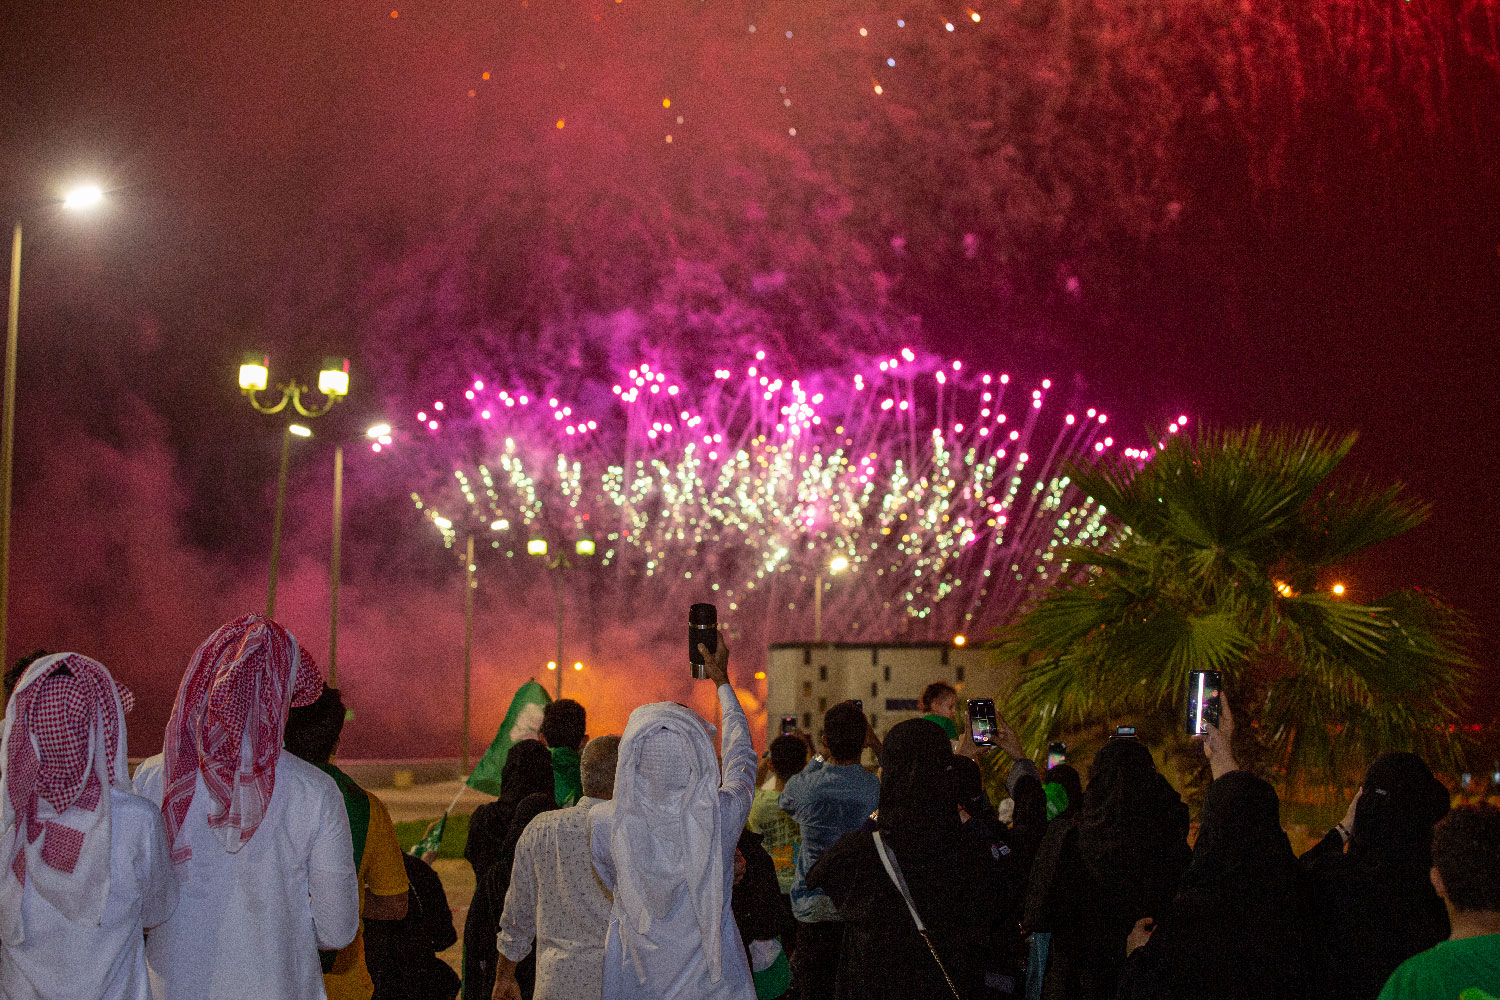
[879,89]
[395,13]
[485,76]
[669,138]
[472,93]
[560,123]
[959,640]
[760,675]
[666,102]
[1338,588]
[974,14]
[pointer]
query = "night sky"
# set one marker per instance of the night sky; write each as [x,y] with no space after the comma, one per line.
[1285,214]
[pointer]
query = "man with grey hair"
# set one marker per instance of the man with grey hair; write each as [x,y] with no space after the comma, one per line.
[556,898]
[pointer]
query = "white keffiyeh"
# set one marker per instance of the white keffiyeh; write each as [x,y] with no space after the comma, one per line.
[667,837]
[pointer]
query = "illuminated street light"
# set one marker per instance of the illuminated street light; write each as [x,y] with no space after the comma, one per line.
[83,197]
[378,431]
[838,564]
[499,525]
[551,664]
[79,199]
[536,547]
[577,666]
[254,373]
[959,640]
[584,547]
[299,430]
[1338,590]
[333,378]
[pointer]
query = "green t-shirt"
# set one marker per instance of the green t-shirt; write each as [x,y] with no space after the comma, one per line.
[1466,969]
[945,724]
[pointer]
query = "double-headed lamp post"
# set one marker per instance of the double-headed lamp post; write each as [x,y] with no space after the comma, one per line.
[333,383]
[77,199]
[583,548]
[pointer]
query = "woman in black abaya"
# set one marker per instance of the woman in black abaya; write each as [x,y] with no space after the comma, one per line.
[1370,904]
[960,886]
[1231,932]
[1095,876]
[527,771]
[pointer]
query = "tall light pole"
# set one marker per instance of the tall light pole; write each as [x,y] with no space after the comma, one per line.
[584,548]
[469,584]
[78,199]
[333,383]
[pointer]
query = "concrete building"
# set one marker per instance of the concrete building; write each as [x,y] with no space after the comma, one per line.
[805,679]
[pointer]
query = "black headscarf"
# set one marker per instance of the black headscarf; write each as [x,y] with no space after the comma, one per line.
[1237,904]
[918,790]
[1067,776]
[528,770]
[1132,831]
[1400,804]
[968,782]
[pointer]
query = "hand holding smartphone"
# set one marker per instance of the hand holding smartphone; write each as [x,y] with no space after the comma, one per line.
[1057,753]
[703,628]
[1204,701]
[984,730]
[788,725]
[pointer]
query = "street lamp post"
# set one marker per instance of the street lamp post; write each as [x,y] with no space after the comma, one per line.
[538,547]
[78,199]
[469,584]
[333,383]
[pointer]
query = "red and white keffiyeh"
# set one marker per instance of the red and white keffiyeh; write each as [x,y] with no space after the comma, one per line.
[64,748]
[227,725]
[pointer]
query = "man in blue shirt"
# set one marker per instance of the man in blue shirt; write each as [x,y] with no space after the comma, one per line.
[828,799]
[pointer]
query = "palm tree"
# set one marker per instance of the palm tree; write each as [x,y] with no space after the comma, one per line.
[1225,542]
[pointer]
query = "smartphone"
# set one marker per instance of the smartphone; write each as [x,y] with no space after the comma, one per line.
[703,627]
[982,727]
[1057,753]
[1204,700]
[1124,732]
[788,725]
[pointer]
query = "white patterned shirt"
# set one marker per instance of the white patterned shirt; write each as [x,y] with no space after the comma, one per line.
[556,898]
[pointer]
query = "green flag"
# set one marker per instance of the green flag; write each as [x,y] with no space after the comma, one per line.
[432,840]
[521,723]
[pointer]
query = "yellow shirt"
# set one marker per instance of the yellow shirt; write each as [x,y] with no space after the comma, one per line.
[382,872]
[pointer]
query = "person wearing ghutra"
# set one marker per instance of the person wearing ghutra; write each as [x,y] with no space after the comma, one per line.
[260,838]
[665,847]
[84,867]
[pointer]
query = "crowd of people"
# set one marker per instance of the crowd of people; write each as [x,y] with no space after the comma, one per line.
[242,862]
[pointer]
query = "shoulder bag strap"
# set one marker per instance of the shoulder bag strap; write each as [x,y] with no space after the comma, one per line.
[894,871]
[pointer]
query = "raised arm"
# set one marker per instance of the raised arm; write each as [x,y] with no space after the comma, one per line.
[737,787]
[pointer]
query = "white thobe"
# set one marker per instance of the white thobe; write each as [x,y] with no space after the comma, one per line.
[556,899]
[673,956]
[250,924]
[63,959]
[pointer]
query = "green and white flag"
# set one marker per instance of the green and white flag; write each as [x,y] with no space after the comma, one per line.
[521,723]
[432,840]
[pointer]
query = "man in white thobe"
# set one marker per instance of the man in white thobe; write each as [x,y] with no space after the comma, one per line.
[260,838]
[556,898]
[665,847]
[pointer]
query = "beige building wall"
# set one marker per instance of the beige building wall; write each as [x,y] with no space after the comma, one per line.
[806,679]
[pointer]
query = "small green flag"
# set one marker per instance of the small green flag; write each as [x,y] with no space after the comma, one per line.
[432,840]
[521,723]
